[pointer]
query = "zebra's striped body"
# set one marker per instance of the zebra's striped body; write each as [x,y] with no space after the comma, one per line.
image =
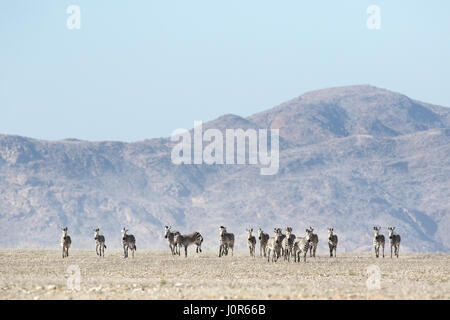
[274,246]
[170,236]
[263,239]
[301,245]
[314,242]
[332,242]
[99,243]
[288,243]
[128,242]
[282,237]
[251,241]
[394,241]
[65,243]
[226,241]
[378,240]
[186,240]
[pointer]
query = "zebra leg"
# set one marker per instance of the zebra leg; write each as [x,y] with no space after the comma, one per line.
[185,251]
[331,251]
[220,251]
[391,251]
[383,250]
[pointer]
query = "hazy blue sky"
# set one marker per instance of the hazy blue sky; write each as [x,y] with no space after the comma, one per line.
[140,69]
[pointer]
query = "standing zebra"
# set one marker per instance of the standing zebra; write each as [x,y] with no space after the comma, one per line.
[263,238]
[301,245]
[332,242]
[378,240]
[128,242]
[99,243]
[65,242]
[170,236]
[185,240]
[274,245]
[282,237]
[226,241]
[394,241]
[288,243]
[251,241]
[314,242]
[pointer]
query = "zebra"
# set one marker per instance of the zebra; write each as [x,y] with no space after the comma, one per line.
[282,237]
[332,242]
[378,240]
[65,242]
[99,243]
[263,238]
[314,242]
[288,243]
[170,236]
[274,245]
[185,240]
[251,241]
[394,241]
[226,241]
[128,242]
[301,245]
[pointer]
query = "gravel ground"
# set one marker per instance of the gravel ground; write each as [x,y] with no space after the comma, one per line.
[43,274]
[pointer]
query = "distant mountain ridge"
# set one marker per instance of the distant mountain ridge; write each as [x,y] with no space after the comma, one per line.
[350,157]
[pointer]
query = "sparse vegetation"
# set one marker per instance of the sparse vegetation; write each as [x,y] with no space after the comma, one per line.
[41,274]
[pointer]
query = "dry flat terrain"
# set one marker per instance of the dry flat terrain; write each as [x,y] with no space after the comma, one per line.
[43,274]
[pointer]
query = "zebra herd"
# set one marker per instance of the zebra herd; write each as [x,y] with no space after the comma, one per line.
[286,245]
[273,248]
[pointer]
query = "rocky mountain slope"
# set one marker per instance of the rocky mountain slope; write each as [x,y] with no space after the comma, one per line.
[350,157]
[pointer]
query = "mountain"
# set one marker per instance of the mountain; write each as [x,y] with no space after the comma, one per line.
[350,158]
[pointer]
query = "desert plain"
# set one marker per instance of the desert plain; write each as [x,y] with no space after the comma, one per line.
[43,274]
